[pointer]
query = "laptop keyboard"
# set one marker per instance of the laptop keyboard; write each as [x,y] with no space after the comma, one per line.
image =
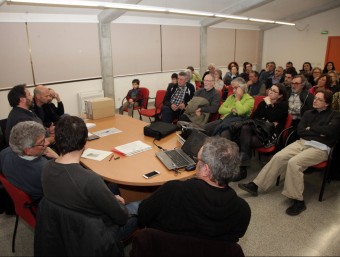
[177,158]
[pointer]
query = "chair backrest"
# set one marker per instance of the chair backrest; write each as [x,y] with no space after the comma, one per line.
[257,100]
[22,202]
[64,232]
[198,85]
[145,93]
[3,143]
[288,124]
[160,94]
[154,242]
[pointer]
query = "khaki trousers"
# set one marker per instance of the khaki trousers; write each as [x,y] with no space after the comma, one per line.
[293,160]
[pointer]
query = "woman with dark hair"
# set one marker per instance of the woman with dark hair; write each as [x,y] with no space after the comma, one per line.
[306,70]
[274,109]
[334,85]
[232,74]
[329,66]
[322,82]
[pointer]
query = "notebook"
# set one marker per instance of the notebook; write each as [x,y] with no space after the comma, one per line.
[183,157]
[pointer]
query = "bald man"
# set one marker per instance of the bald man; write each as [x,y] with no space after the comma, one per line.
[43,106]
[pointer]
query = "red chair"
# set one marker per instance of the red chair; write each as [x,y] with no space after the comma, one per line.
[145,93]
[325,165]
[198,85]
[154,112]
[24,206]
[257,100]
[281,138]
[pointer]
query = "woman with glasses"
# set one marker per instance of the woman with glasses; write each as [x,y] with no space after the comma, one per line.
[316,73]
[274,109]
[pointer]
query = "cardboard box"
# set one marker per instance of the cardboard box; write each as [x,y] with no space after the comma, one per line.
[98,108]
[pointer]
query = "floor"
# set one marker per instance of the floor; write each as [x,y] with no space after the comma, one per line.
[315,232]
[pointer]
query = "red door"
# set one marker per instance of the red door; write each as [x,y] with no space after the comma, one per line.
[333,52]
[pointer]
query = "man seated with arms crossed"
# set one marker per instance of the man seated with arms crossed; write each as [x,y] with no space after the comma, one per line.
[318,129]
[177,98]
[70,185]
[21,100]
[22,162]
[204,206]
[204,103]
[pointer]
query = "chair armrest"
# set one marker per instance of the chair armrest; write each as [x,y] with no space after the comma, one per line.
[281,136]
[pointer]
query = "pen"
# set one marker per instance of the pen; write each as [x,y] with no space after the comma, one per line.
[111,157]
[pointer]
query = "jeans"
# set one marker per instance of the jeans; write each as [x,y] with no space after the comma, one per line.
[168,115]
[132,223]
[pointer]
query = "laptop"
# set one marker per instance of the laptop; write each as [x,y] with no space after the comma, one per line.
[182,157]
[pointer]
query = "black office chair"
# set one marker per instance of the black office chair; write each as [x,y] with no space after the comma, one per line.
[154,242]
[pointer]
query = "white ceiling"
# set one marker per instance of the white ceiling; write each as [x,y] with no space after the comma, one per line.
[279,10]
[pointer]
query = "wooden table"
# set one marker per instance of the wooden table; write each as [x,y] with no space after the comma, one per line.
[128,171]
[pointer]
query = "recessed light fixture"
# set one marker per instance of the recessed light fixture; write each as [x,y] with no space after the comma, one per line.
[136,7]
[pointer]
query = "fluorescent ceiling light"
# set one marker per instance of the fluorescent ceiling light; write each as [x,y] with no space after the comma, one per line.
[226,16]
[261,20]
[285,23]
[136,7]
[190,12]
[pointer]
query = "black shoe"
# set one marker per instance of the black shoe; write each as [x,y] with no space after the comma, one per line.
[241,175]
[296,208]
[251,188]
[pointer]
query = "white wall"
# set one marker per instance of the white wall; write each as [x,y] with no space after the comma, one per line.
[301,43]
[69,91]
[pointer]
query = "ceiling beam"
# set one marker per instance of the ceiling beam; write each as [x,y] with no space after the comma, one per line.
[305,14]
[107,16]
[236,9]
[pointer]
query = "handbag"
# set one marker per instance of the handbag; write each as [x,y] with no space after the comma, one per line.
[265,132]
[159,129]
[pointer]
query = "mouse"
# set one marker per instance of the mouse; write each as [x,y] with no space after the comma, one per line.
[190,167]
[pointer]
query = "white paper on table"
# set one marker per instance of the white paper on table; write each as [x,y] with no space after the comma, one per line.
[106,132]
[97,155]
[132,148]
[90,125]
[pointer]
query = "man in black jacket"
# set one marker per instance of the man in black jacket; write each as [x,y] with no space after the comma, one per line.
[204,206]
[318,130]
[177,98]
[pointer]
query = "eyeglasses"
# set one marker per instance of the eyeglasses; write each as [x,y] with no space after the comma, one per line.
[206,80]
[234,88]
[196,159]
[316,72]
[271,89]
[41,143]
[296,83]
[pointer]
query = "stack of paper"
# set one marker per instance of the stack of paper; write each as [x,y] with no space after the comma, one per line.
[132,148]
[97,155]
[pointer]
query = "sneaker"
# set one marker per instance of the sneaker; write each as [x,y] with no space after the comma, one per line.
[296,208]
[251,188]
[241,175]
